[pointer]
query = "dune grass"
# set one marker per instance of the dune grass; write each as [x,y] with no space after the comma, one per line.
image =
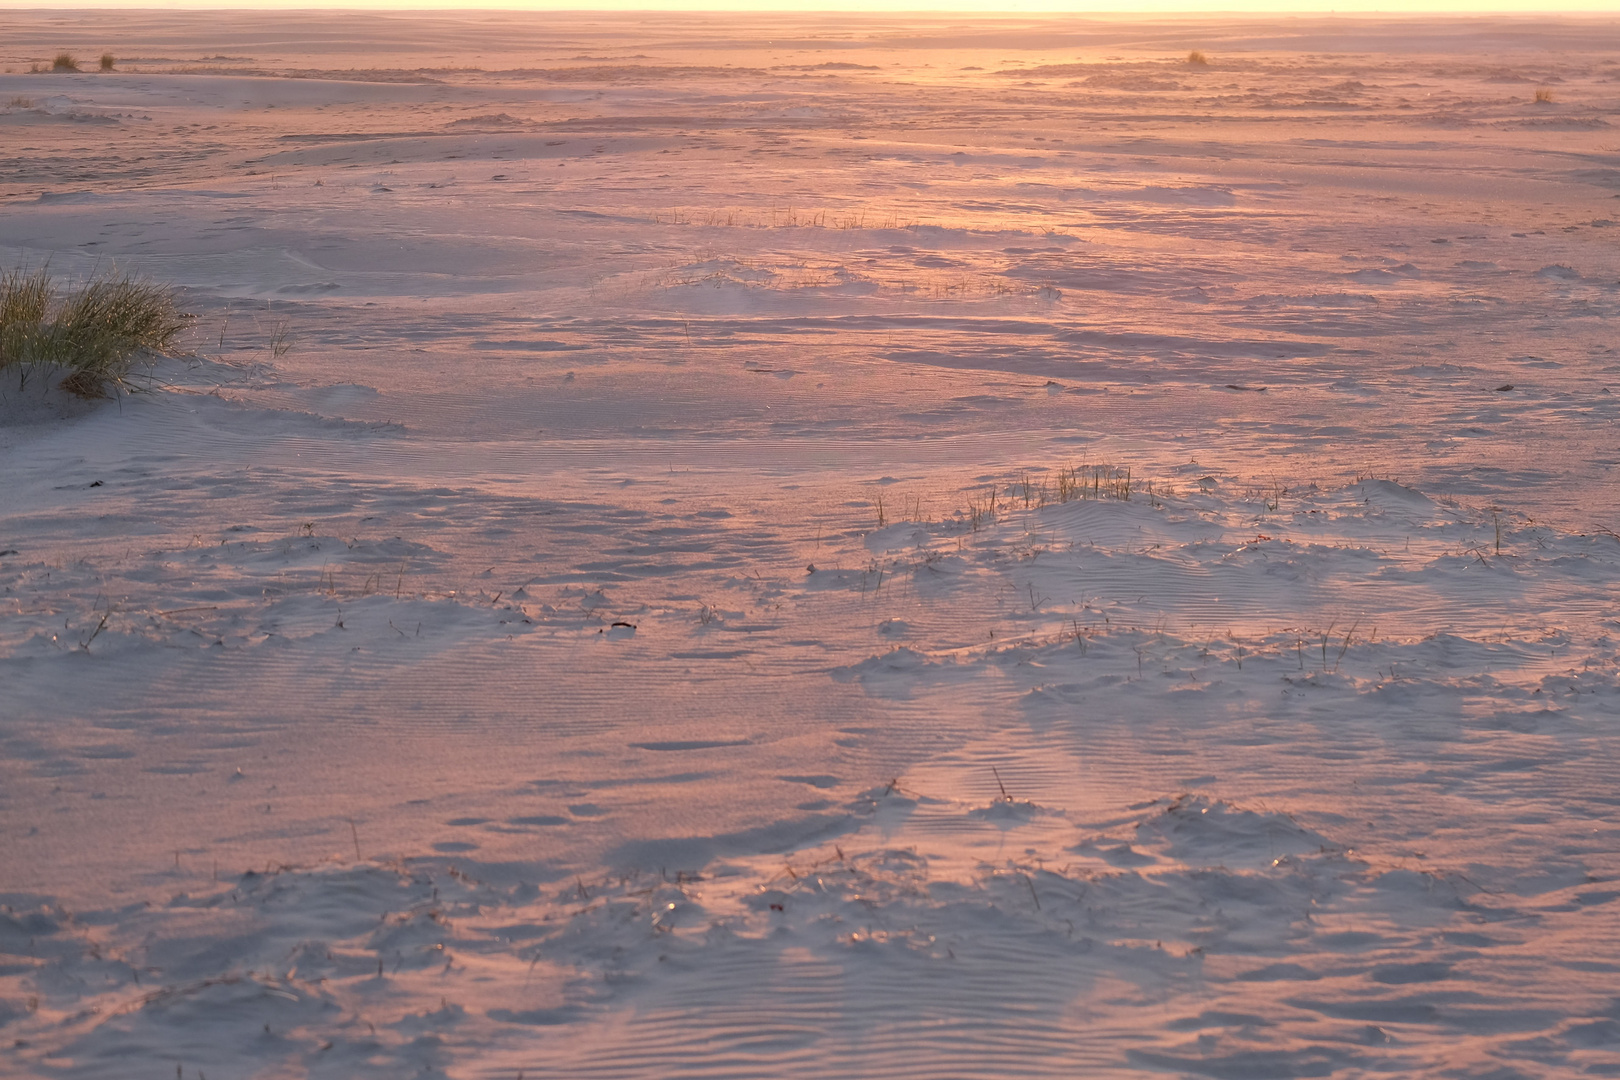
[1197,59]
[107,61]
[1544,95]
[64,62]
[1071,483]
[92,333]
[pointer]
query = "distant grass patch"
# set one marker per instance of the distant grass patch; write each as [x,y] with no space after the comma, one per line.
[1544,95]
[1072,483]
[64,62]
[107,61]
[93,333]
[1197,59]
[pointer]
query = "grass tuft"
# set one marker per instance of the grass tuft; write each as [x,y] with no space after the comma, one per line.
[94,332]
[107,61]
[24,299]
[1544,95]
[1197,59]
[64,62]
[1072,483]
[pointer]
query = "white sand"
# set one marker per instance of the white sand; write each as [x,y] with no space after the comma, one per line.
[426,677]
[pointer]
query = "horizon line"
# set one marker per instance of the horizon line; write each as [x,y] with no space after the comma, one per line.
[945,8]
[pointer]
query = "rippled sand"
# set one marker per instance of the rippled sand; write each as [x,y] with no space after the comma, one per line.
[632,578]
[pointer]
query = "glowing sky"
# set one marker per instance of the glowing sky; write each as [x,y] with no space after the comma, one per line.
[1000,7]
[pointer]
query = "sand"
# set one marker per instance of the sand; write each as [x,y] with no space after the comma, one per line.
[624,580]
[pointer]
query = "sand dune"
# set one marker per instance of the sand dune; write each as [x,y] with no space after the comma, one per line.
[630,577]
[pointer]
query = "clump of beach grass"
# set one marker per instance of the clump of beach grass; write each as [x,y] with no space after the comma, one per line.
[107,61]
[64,62]
[1197,59]
[1071,483]
[94,333]
[1544,95]
[24,298]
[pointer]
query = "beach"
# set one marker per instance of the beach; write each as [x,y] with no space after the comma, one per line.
[792,545]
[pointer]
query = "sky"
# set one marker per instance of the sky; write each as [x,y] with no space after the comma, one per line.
[989,7]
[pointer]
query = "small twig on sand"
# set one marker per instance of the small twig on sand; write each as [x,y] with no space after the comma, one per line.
[1000,785]
[85,644]
[1346,647]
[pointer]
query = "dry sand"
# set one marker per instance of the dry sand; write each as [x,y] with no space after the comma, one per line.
[598,599]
